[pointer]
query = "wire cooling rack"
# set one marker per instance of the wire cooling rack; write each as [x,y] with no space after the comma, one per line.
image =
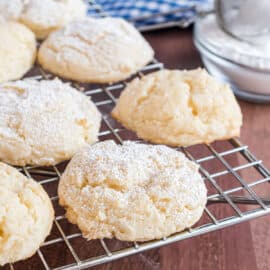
[229,168]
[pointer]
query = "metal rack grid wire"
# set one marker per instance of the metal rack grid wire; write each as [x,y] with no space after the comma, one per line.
[225,167]
[216,161]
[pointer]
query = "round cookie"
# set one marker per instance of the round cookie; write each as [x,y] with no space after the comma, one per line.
[179,108]
[134,192]
[44,122]
[17,50]
[26,215]
[43,16]
[11,9]
[95,50]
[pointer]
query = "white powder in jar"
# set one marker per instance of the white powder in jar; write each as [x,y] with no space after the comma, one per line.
[256,55]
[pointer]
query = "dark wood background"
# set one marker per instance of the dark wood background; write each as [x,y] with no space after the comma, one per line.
[241,247]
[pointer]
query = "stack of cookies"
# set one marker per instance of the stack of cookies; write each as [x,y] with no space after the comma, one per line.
[45,122]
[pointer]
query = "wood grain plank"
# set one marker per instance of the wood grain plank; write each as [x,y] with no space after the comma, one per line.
[256,133]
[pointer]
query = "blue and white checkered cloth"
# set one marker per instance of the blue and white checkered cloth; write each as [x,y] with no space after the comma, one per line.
[145,12]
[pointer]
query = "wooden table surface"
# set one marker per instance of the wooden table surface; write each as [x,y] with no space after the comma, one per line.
[241,247]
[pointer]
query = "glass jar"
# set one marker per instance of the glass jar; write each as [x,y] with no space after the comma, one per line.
[245,65]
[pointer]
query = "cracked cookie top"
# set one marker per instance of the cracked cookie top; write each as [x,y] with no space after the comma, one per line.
[43,16]
[134,192]
[95,50]
[17,50]
[26,215]
[44,122]
[179,108]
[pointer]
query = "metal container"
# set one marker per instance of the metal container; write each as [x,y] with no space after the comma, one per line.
[244,19]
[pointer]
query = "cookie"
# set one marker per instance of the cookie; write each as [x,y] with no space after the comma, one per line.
[17,50]
[134,192]
[45,16]
[44,122]
[11,9]
[95,50]
[26,215]
[179,108]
